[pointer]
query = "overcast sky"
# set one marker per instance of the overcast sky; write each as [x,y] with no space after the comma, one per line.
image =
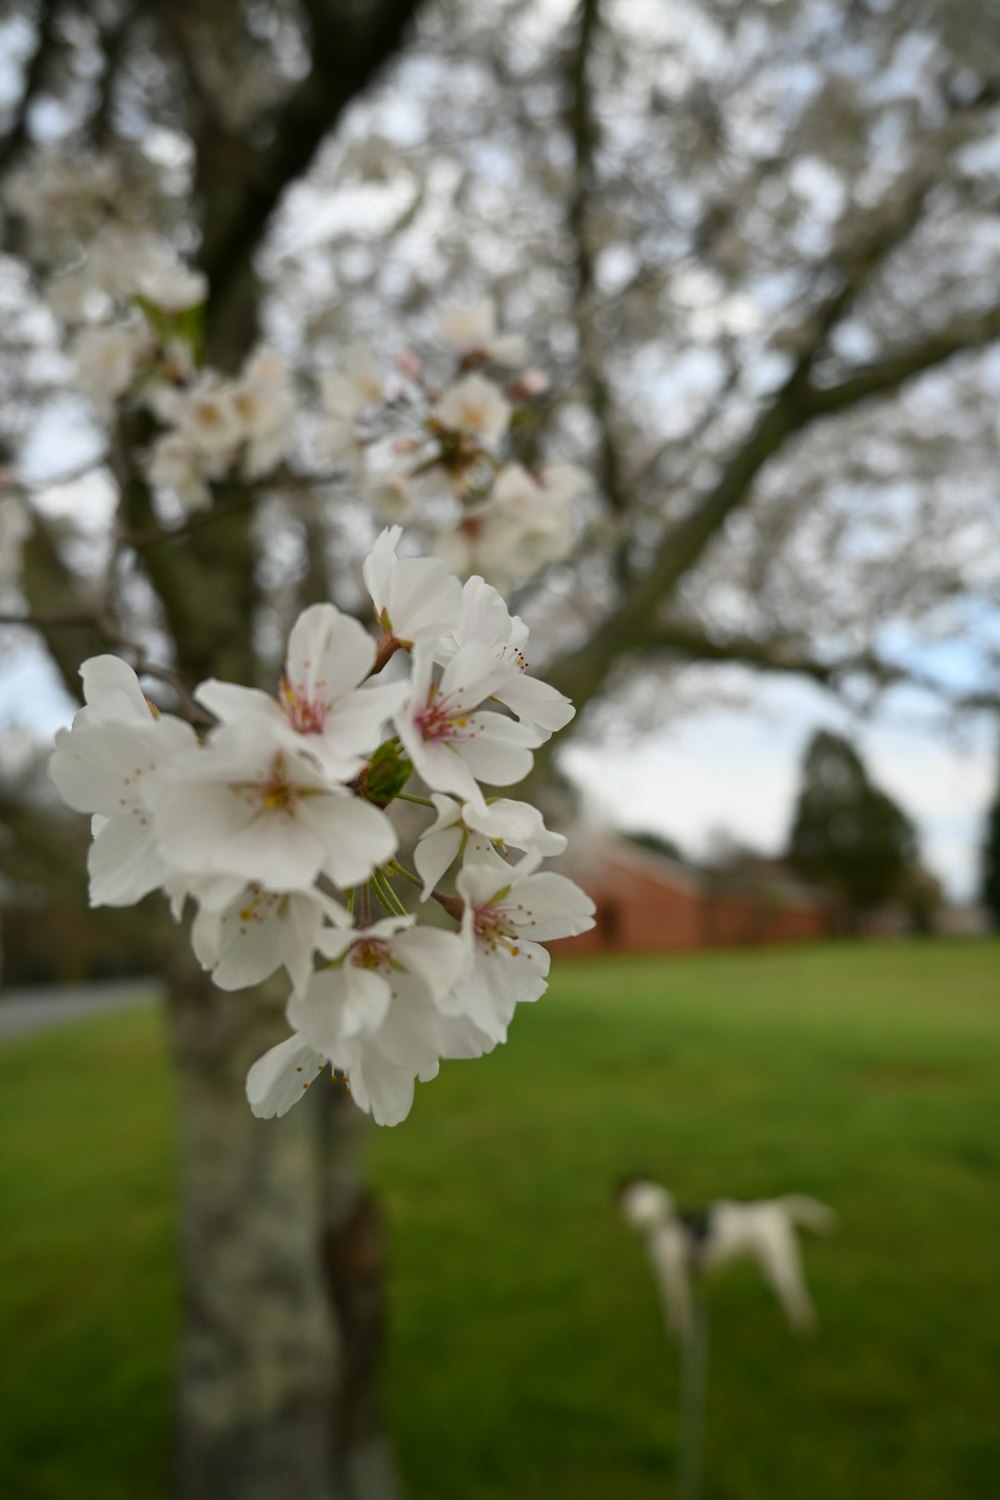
[737,771]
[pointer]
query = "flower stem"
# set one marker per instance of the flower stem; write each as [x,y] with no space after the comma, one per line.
[384,651]
[398,869]
[387,895]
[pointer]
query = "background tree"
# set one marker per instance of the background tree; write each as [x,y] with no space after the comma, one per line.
[755,243]
[846,833]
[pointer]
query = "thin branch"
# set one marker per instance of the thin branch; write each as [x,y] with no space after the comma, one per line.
[70,619]
[795,405]
[56,481]
[889,374]
[787,657]
[194,712]
[111,635]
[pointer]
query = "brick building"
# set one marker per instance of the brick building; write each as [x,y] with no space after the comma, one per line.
[647,903]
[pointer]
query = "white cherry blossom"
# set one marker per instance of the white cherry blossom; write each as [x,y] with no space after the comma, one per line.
[390,495]
[247,805]
[530,523]
[452,741]
[473,330]
[210,421]
[348,392]
[507,916]
[265,404]
[388,963]
[174,465]
[526,524]
[476,829]
[106,764]
[322,707]
[107,359]
[375,1011]
[475,407]
[172,288]
[416,599]
[486,618]
[244,932]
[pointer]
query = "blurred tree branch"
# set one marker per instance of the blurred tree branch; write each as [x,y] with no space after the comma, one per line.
[633,624]
[240,183]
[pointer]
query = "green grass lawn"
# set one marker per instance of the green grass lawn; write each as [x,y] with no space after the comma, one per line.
[527,1359]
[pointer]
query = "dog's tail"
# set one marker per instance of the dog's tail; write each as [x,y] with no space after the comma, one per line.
[809,1212]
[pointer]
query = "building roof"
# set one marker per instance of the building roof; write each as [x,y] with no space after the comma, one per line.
[591,853]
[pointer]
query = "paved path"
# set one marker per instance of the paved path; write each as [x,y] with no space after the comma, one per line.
[26,1010]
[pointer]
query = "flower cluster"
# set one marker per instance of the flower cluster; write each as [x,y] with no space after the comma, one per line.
[420,446]
[215,427]
[143,351]
[133,311]
[210,428]
[276,826]
[429,442]
[416,449]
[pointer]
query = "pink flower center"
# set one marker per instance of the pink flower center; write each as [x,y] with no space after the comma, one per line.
[307,715]
[438,723]
[496,925]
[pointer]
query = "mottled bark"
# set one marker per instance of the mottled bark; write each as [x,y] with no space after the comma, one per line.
[282,1272]
[355,1263]
[258,1352]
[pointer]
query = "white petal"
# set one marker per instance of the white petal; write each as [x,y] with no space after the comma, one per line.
[329,653]
[281,852]
[515,823]
[536,702]
[439,765]
[356,836]
[233,704]
[377,567]
[280,1078]
[438,957]
[125,862]
[497,983]
[499,751]
[558,907]
[354,727]
[318,1010]
[382,1088]
[435,853]
[368,996]
[112,692]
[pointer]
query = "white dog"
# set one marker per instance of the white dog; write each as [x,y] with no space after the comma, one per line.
[682,1246]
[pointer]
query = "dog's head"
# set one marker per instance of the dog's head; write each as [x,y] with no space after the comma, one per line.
[644,1204]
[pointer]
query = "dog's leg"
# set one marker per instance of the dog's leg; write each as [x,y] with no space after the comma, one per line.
[777,1253]
[667,1251]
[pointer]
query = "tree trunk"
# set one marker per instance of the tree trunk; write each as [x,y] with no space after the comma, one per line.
[357,1275]
[269,1210]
